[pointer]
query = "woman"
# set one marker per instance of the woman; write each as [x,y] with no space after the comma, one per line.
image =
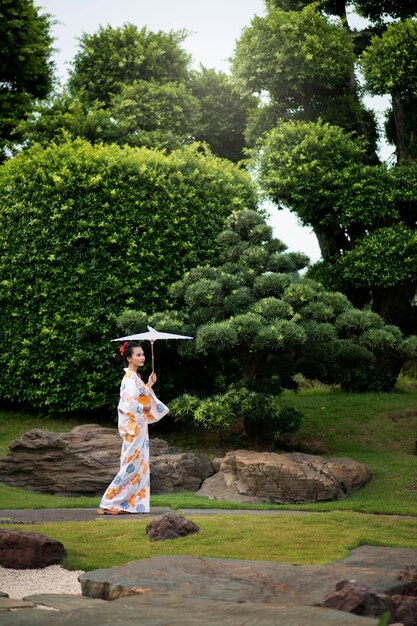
[129,491]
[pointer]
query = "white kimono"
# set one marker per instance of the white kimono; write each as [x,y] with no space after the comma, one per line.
[130,489]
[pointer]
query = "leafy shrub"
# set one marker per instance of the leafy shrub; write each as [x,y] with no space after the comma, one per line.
[183,408]
[86,232]
[265,421]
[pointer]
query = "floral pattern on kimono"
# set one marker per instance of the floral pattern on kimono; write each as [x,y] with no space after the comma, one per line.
[130,489]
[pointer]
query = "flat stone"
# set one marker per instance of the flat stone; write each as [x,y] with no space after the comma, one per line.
[183,591]
[180,590]
[194,611]
[268,477]
[220,579]
[64,601]
[251,581]
[9,603]
[173,610]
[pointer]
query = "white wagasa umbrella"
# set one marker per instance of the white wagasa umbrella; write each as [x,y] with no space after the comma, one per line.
[152,335]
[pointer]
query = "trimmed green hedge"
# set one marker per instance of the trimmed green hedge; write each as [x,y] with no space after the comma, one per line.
[86,232]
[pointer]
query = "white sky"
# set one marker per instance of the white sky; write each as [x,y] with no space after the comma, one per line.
[214,27]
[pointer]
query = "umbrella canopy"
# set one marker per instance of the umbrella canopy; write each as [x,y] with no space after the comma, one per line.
[152,335]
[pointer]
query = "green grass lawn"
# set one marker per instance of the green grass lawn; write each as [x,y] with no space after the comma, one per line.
[315,538]
[378,429]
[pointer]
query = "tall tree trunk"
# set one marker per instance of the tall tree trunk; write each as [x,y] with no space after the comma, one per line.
[399,123]
[395,306]
[404,110]
[359,296]
[331,241]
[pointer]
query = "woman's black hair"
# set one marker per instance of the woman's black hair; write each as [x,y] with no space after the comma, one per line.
[126,349]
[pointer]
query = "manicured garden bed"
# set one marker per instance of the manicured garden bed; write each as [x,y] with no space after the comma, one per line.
[378,429]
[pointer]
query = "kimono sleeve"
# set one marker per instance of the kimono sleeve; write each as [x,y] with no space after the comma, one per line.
[157,409]
[129,409]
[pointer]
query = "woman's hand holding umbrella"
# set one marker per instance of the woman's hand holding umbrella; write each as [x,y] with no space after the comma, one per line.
[152,380]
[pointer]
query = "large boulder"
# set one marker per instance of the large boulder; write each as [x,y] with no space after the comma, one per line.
[239,581]
[85,460]
[81,462]
[158,447]
[179,472]
[27,550]
[290,478]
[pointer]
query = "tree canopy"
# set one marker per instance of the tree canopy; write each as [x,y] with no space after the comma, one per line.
[390,67]
[113,57]
[316,142]
[375,10]
[135,87]
[147,113]
[304,62]
[25,63]
[378,10]
[224,113]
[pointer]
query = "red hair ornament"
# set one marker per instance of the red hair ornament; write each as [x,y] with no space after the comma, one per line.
[122,348]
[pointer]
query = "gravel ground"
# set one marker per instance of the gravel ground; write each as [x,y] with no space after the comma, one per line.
[18,583]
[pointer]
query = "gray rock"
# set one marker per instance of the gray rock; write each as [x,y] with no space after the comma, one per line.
[159,446]
[180,590]
[9,603]
[233,580]
[170,526]
[27,550]
[179,472]
[82,461]
[216,463]
[228,580]
[406,609]
[63,601]
[161,610]
[268,477]
[85,460]
[359,599]
[219,487]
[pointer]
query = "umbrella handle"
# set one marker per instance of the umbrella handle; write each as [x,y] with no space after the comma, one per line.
[153,358]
